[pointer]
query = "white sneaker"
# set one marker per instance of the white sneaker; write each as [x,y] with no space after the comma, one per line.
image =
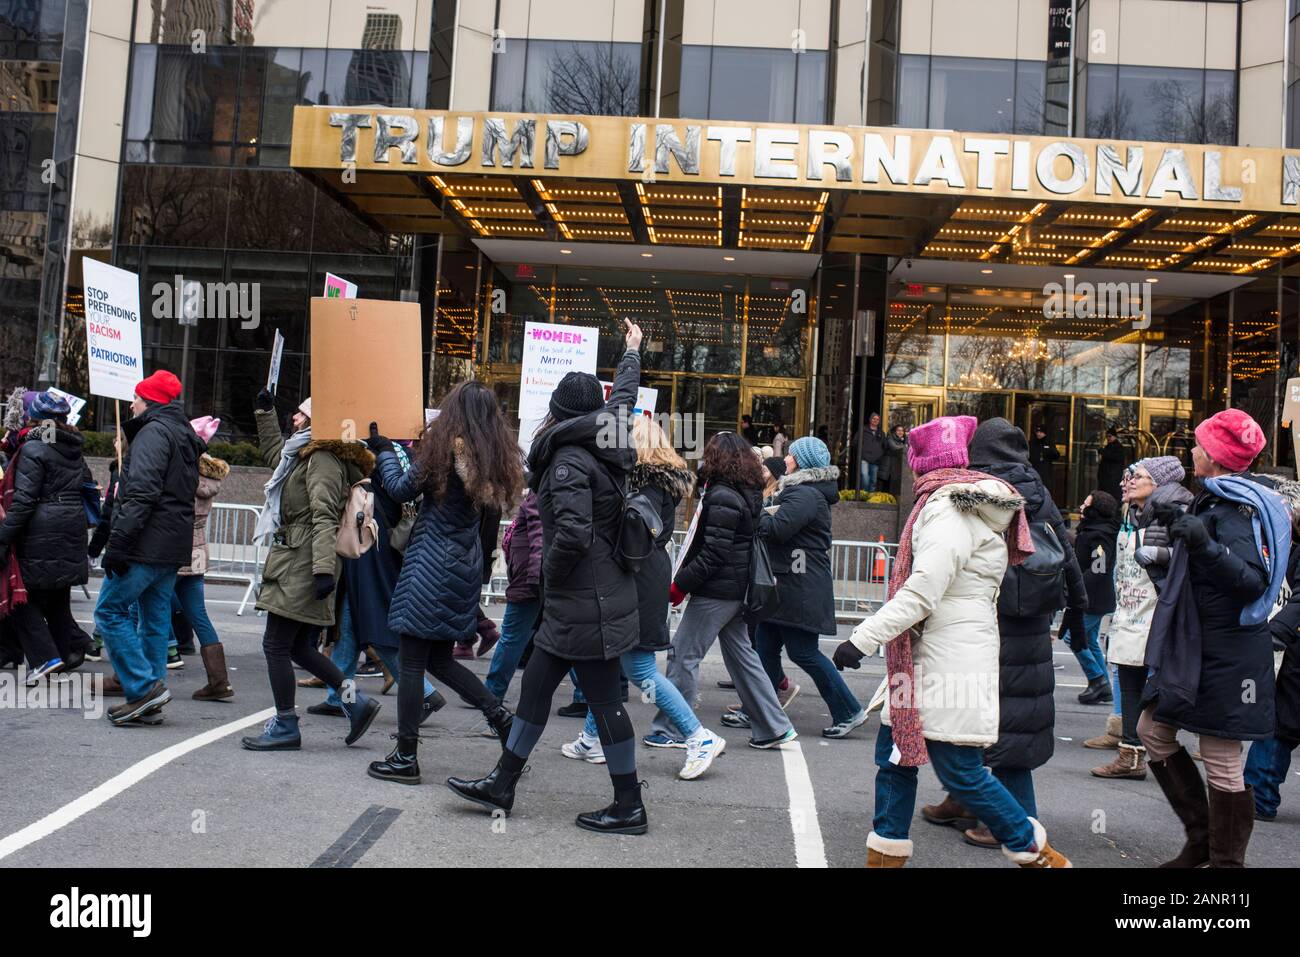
[842,729]
[700,754]
[581,750]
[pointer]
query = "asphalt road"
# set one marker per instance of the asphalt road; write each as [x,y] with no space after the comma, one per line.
[79,792]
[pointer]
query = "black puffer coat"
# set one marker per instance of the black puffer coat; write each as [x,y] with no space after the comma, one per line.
[153,516]
[369,581]
[664,487]
[1235,696]
[46,524]
[1094,549]
[1026,679]
[589,603]
[717,564]
[798,539]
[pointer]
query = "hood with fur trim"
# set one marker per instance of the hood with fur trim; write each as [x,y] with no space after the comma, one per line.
[483,494]
[826,478]
[350,453]
[988,498]
[212,467]
[676,483]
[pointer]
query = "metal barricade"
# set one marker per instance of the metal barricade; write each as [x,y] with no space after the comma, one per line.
[232,552]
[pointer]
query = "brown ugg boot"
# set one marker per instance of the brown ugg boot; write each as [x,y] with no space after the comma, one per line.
[1232,818]
[1109,740]
[887,852]
[214,663]
[1042,855]
[1129,763]
[949,812]
[1180,779]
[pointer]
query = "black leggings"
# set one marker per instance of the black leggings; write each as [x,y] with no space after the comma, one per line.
[417,656]
[45,627]
[600,683]
[1132,682]
[287,641]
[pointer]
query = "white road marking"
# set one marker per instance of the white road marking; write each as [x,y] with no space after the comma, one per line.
[808,848]
[116,785]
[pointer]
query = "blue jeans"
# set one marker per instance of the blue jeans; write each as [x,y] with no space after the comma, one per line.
[516,628]
[1091,660]
[1114,689]
[804,651]
[869,471]
[1019,783]
[961,771]
[1266,766]
[138,650]
[346,650]
[189,594]
[639,666]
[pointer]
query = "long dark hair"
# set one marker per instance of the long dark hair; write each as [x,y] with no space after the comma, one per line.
[729,458]
[471,430]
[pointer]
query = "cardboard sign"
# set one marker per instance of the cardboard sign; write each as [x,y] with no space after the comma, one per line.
[551,350]
[336,287]
[646,399]
[365,367]
[277,353]
[76,402]
[114,357]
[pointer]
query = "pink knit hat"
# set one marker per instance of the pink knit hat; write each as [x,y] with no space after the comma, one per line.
[1231,438]
[205,427]
[940,443]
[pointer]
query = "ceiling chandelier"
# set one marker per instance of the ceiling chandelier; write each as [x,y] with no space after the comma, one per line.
[977,381]
[1029,349]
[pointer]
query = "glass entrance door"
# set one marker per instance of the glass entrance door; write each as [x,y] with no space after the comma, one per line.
[1052,413]
[910,407]
[772,405]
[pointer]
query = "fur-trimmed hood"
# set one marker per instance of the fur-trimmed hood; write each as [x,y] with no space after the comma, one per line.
[212,467]
[829,473]
[988,499]
[350,453]
[677,483]
[482,493]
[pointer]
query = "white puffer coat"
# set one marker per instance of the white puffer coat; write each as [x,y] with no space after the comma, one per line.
[959,556]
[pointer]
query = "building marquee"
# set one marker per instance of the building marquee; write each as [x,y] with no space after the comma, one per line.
[886,159]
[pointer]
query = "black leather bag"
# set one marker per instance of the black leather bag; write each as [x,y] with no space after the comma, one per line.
[1037,586]
[760,596]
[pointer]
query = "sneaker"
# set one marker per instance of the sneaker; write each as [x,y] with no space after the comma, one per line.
[371,669]
[582,750]
[576,709]
[735,719]
[789,694]
[726,684]
[776,742]
[150,702]
[662,739]
[96,651]
[53,666]
[842,729]
[174,659]
[700,754]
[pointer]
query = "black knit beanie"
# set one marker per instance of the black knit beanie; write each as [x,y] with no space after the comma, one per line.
[775,465]
[577,394]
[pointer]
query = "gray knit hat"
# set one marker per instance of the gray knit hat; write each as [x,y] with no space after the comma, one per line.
[1163,469]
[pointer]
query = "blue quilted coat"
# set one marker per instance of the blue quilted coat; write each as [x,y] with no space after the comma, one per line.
[437,592]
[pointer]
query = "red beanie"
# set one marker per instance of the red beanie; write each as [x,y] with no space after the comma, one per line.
[1232,438]
[161,387]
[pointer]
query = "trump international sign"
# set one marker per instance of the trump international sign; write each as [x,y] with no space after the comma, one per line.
[884,159]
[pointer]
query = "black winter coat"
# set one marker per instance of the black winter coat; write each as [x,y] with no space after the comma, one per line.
[1110,470]
[1026,679]
[99,538]
[664,487]
[717,563]
[798,539]
[1285,628]
[369,581]
[1236,659]
[153,515]
[46,524]
[589,602]
[1094,550]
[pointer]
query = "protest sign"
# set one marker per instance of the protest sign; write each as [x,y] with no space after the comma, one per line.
[113,352]
[551,351]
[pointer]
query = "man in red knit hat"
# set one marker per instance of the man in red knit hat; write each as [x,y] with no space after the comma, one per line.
[151,538]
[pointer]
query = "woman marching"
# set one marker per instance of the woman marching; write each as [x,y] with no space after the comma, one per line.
[580,458]
[660,476]
[304,498]
[467,462]
[963,530]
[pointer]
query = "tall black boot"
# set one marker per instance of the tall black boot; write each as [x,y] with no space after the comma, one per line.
[625,816]
[1097,692]
[496,792]
[1232,818]
[400,766]
[1180,779]
[499,720]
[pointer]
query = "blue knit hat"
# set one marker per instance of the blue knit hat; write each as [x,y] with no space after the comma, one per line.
[810,453]
[49,406]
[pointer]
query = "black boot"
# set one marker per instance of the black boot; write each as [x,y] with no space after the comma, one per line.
[1097,692]
[1180,779]
[400,766]
[499,720]
[625,816]
[1232,818]
[433,701]
[496,792]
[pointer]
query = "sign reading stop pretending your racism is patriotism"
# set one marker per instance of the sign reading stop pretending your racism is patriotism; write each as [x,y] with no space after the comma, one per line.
[113,351]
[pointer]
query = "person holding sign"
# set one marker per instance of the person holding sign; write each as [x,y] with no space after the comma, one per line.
[579,462]
[153,524]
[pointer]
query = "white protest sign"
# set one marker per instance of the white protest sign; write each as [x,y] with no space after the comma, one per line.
[114,357]
[646,399]
[551,351]
[75,402]
[277,353]
[430,415]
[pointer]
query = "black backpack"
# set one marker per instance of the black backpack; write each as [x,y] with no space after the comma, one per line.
[761,599]
[639,526]
[1037,586]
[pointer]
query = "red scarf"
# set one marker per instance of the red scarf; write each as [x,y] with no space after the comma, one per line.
[905,716]
[12,591]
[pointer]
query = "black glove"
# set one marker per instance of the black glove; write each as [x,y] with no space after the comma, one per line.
[1073,632]
[1166,513]
[378,443]
[1191,530]
[847,655]
[265,401]
[114,566]
[324,585]
[93,550]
